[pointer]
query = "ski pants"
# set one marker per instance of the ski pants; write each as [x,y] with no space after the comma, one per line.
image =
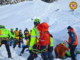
[11,41]
[7,47]
[34,55]
[72,51]
[15,43]
[50,56]
[20,41]
[24,49]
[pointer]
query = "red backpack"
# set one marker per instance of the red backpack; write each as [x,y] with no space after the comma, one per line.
[0,32]
[44,34]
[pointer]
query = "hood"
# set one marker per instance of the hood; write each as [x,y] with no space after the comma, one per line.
[72,30]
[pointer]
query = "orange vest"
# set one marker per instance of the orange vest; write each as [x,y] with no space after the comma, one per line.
[76,39]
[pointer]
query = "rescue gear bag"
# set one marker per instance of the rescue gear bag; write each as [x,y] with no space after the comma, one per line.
[44,34]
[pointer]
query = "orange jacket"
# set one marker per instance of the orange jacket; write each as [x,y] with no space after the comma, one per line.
[73,40]
[60,50]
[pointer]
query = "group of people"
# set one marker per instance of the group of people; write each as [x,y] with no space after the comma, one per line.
[39,41]
[17,38]
[10,38]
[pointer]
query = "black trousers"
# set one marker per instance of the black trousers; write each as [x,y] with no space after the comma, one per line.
[7,47]
[50,55]
[72,51]
[15,43]
[19,43]
[34,55]
[24,49]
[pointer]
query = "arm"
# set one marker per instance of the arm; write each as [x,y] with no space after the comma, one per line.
[50,48]
[33,39]
[51,42]
[10,35]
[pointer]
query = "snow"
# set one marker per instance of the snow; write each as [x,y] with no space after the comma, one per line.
[58,15]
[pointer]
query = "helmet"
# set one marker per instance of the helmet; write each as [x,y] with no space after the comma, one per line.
[69,27]
[2,26]
[36,21]
[11,28]
[20,30]
[26,29]
[16,28]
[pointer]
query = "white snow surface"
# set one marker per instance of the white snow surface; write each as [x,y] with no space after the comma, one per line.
[58,15]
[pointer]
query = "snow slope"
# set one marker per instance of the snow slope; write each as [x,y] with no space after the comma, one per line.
[58,15]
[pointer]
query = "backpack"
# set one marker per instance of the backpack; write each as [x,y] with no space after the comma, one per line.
[44,34]
[27,36]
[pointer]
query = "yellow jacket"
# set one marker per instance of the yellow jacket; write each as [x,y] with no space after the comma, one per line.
[16,34]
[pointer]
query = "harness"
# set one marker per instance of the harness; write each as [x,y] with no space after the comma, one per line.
[37,51]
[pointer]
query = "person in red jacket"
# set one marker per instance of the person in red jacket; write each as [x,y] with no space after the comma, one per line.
[73,41]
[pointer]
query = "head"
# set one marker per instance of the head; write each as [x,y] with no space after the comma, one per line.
[16,28]
[11,29]
[26,29]
[36,21]
[2,26]
[69,28]
[20,30]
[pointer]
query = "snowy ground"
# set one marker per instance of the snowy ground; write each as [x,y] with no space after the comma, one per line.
[58,15]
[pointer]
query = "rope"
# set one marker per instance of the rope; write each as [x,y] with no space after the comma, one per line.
[38,51]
